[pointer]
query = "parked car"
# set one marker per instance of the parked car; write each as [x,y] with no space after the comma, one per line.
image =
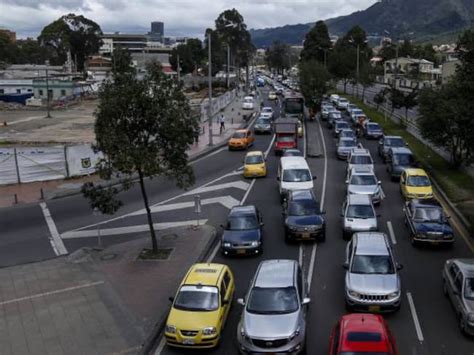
[292,153]
[254,165]
[373,130]
[360,157]
[339,125]
[243,233]
[344,147]
[361,180]
[263,125]
[427,222]
[241,139]
[387,142]
[372,282]
[399,159]
[303,218]
[458,286]
[201,306]
[362,333]
[274,316]
[415,183]
[358,215]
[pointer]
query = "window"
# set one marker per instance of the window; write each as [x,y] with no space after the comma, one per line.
[223,290]
[63,92]
[458,282]
[41,92]
[18,91]
[300,283]
[227,279]
[30,90]
[273,300]
[2,91]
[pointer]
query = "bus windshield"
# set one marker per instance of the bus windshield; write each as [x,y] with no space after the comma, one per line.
[294,106]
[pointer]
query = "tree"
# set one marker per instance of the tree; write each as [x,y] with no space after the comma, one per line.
[397,99]
[366,77]
[191,55]
[313,78]
[8,50]
[74,33]
[277,56]
[143,128]
[410,100]
[381,97]
[317,43]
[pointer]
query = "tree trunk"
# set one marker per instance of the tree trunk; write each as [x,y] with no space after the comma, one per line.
[345,85]
[148,213]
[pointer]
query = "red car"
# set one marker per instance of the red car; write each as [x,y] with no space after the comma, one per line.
[362,333]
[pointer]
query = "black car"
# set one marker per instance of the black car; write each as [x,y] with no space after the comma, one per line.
[427,222]
[292,153]
[399,159]
[243,232]
[303,219]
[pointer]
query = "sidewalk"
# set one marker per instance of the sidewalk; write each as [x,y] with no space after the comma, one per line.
[31,192]
[95,302]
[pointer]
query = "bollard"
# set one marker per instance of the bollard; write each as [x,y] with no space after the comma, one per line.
[41,194]
[5,123]
[16,198]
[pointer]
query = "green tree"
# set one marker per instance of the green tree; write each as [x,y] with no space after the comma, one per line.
[381,97]
[406,49]
[143,136]
[367,76]
[74,33]
[313,78]
[191,55]
[277,56]
[410,100]
[8,50]
[317,43]
[31,52]
[397,99]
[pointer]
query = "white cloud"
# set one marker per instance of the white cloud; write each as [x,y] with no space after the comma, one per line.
[181,17]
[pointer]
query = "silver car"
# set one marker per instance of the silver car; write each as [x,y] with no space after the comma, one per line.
[358,215]
[274,317]
[344,147]
[359,157]
[361,180]
[372,279]
[458,286]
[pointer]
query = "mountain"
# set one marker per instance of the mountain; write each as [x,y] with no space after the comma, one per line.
[416,18]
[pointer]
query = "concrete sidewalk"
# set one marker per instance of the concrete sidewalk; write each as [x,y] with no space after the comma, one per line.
[95,302]
[33,192]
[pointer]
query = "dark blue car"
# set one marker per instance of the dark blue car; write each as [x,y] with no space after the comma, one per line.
[373,130]
[427,222]
[243,232]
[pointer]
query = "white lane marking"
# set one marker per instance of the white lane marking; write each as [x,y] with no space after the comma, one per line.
[311,266]
[208,155]
[391,232]
[382,194]
[55,239]
[323,192]
[161,346]
[270,146]
[300,255]
[242,185]
[128,229]
[247,192]
[414,315]
[54,292]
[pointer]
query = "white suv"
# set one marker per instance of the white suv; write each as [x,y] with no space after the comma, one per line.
[359,157]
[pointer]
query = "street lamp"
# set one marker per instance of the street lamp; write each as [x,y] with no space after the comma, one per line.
[209,122]
[47,90]
[358,64]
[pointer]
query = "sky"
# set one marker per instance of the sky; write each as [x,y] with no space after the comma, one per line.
[181,17]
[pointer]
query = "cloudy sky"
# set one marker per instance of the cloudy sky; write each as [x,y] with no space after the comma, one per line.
[181,17]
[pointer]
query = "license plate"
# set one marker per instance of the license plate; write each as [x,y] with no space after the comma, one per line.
[306,236]
[240,251]
[188,342]
[374,308]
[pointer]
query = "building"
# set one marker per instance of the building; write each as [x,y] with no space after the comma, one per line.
[133,43]
[10,34]
[60,89]
[448,69]
[410,72]
[157,31]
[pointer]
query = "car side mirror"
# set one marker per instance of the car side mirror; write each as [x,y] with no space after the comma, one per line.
[241,301]
[380,142]
[379,182]
[399,267]
[315,177]
[306,300]
[262,224]
[345,266]
[347,181]
[225,302]
[323,212]
[171,299]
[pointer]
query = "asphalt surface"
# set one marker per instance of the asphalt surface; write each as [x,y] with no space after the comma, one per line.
[25,237]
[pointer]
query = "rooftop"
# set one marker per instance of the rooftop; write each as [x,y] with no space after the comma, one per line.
[276,273]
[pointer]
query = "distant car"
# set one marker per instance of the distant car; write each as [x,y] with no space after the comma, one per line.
[339,125]
[303,219]
[254,165]
[263,125]
[359,157]
[415,183]
[248,103]
[354,113]
[334,98]
[362,181]
[272,95]
[333,116]
[292,153]
[358,215]
[241,139]
[349,133]
[399,159]
[373,130]
[344,147]
[325,109]
[387,142]
[427,222]
[458,286]
[362,333]
[267,112]
[243,232]
[342,104]
[372,282]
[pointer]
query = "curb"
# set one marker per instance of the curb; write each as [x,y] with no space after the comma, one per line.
[159,327]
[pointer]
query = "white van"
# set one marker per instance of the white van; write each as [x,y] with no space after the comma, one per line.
[248,103]
[294,174]
[334,98]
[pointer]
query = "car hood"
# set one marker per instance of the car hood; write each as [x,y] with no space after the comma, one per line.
[272,326]
[192,320]
[419,190]
[241,236]
[433,227]
[236,140]
[363,189]
[313,220]
[373,284]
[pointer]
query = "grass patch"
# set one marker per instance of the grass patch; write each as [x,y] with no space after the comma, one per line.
[458,185]
[161,254]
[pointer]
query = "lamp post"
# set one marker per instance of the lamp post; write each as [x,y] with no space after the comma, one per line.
[47,90]
[357,65]
[228,64]
[209,122]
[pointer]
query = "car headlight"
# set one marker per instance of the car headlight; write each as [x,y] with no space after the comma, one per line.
[255,244]
[171,329]
[295,334]
[353,293]
[394,294]
[292,228]
[226,245]
[470,317]
[209,331]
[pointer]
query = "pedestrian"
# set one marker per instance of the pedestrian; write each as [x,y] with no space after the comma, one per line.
[197,132]
[222,122]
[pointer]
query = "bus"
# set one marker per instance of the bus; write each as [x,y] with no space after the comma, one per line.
[293,106]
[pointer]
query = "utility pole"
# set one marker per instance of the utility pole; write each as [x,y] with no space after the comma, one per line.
[178,68]
[47,90]
[210,88]
[396,65]
[357,73]
[228,65]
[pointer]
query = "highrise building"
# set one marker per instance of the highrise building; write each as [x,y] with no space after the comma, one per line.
[157,31]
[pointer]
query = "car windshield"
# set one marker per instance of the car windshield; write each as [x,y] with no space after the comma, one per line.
[286,139]
[469,288]
[334,114]
[357,112]
[273,300]
[296,175]
[303,208]
[294,106]
[363,180]
[254,159]
[244,222]
[360,211]
[372,264]
[347,134]
[292,153]
[429,215]
[418,180]
[347,143]
[373,127]
[248,100]
[239,135]
[361,159]
[197,298]
[342,125]
[267,110]
[263,121]
[394,142]
[403,159]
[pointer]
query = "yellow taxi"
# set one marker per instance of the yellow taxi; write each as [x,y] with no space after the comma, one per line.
[241,139]
[254,165]
[272,95]
[415,183]
[200,307]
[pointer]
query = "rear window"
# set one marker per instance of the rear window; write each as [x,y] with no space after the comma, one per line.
[361,159]
[364,336]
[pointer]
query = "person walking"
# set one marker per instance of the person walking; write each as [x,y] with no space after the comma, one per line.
[222,122]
